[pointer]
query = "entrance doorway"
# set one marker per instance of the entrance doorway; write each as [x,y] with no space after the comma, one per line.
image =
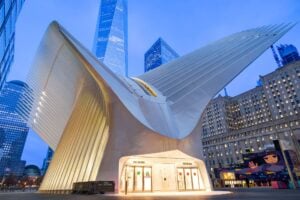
[165,177]
[138,179]
[161,172]
[188,179]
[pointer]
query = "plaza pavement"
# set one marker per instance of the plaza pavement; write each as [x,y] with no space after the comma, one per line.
[238,194]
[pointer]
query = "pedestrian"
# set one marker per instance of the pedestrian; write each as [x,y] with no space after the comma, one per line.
[247,183]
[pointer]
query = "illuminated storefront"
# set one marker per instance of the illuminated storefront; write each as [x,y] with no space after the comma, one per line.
[229,179]
[161,172]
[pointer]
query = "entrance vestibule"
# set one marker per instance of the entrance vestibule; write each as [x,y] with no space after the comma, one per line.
[159,173]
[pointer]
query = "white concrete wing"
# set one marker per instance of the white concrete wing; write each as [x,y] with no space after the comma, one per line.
[174,95]
[190,81]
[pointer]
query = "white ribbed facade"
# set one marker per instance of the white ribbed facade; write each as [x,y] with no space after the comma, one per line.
[101,124]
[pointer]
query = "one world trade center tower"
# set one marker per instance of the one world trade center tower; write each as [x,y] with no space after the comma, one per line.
[110,43]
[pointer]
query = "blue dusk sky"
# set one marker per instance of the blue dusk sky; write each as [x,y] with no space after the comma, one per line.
[184,24]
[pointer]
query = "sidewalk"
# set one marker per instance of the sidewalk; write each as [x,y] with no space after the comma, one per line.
[253,189]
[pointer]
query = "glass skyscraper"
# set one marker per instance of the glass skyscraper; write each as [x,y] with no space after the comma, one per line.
[47,160]
[9,11]
[110,44]
[13,130]
[288,53]
[159,53]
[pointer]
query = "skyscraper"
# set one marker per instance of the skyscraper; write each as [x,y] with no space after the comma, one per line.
[13,130]
[110,44]
[47,160]
[159,53]
[288,53]
[9,11]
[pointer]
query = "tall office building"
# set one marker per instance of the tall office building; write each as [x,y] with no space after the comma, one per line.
[110,44]
[288,53]
[159,53]
[249,122]
[13,130]
[9,11]
[47,160]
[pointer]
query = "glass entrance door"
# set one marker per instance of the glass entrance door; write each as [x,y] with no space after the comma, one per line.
[195,179]
[138,180]
[129,178]
[147,179]
[188,179]
[180,179]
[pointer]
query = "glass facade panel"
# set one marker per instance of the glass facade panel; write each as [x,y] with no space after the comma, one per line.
[1,13]
[7,6]
[8,29]
[2,43]
[9,10]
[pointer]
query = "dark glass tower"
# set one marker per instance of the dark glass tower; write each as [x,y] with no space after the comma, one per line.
[110,44]
[288,53]
[47,160]
[9,11]
[159,53]
[13,130]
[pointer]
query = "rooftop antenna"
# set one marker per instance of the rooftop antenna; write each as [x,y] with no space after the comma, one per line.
[276,56]
[225,91]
